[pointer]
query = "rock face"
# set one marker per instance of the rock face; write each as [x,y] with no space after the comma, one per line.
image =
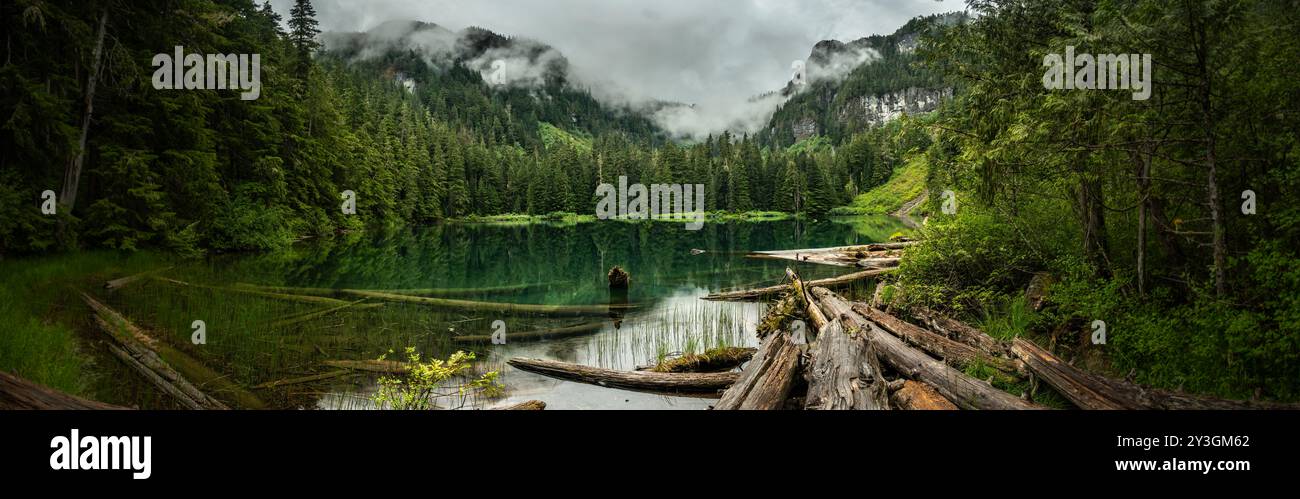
[878,109]
[804,128]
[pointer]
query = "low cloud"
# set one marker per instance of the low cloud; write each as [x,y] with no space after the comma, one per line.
[715,55]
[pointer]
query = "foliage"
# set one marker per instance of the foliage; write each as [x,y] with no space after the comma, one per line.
[426,382]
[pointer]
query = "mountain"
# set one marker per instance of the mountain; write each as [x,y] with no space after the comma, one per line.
[859,84]
[499,86]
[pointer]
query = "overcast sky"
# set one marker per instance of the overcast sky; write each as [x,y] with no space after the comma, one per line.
[707,52]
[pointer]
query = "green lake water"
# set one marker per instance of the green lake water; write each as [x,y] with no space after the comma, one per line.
[560,265]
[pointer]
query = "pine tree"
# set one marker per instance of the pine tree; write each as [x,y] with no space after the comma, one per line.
[303,30]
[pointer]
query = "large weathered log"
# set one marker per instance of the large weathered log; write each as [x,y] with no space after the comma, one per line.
[962,332]
[966,392]
[495,307]
[19,394]
[761,293]
[845,256]
[1091,391]
[955,353]
[711,361]
[139,351]
[767,379]
[843,372]
[879,263]
[630,380]
[180,395]
[918,396]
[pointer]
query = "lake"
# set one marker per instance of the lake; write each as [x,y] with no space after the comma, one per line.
[255,335]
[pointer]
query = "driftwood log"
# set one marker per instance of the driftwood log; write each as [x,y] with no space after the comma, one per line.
[843,372]
[917,396]
[953,352]
[1091,391]
[770,291]
[19,394]
[139,351]
[960,331]
[697,383]
[766,381]
[962,390]
[714,360]
[495,307]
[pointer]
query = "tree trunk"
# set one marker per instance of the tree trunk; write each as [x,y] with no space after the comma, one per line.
[760,293]
[958,354]
[766,381]
[917,396]
[962,332]
[72,175]
[706,383]
[843,372]
[20,394]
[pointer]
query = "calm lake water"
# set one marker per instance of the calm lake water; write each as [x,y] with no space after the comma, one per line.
[249,342]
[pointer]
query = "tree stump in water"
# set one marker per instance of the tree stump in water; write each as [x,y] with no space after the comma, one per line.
[619,278]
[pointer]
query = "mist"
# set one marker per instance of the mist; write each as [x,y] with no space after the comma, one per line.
[715,57]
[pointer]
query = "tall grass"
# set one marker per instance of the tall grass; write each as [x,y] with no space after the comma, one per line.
[40,307]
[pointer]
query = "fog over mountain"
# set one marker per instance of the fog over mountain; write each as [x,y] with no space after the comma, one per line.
[715,56]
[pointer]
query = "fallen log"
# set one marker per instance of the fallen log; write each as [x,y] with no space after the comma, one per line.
[711,361]
[918,396]
[1094,392]
[304,379]
[879,263]
[962,332]
[953,352]
[778,316]
[531,405]
[123,281]
[630,380]
[843,372]
[964,391]
[159,363]
[496,307]
[318,300]
[805,300]
[374,366]
[427,292]
[307,316]
[543,334]
[766,381]
[848,256]
[18,394]
[831,283]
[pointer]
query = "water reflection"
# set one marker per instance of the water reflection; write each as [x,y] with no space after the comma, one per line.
[558,265]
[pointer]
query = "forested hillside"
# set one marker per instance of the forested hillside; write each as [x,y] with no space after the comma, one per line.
[891,81]
[415,132]
[1169,224]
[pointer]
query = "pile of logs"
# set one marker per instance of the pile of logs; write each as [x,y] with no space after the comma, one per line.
[820,351]
[872,256]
